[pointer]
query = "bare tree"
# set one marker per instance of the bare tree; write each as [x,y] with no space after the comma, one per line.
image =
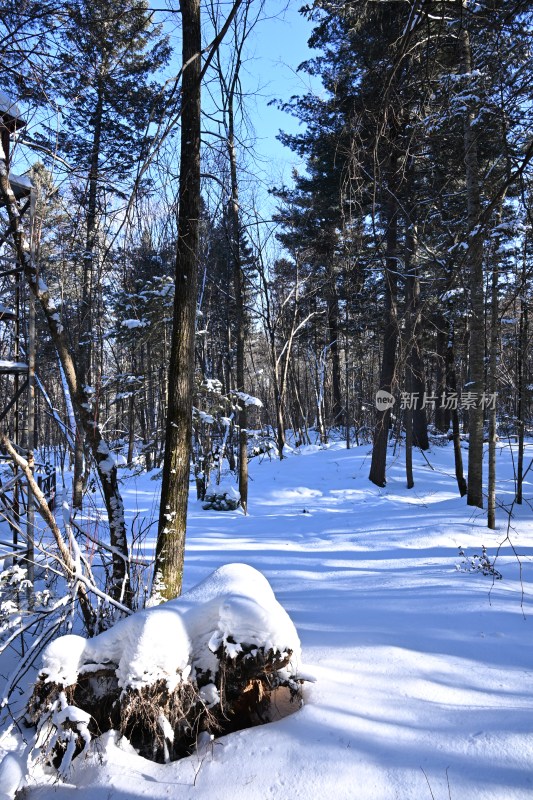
[230,90]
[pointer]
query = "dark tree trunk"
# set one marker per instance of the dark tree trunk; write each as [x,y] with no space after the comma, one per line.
[474,255]
[416,414]
[492,377]
[442,413]
[522,384]
[280,416]
[333,335]
[451,381]
[418,381]
[170,547]
[86,332]
[390,336]
[131,429]
[412,298]
[240,314]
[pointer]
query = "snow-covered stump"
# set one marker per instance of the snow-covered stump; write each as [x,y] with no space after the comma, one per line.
[206,663]
[221,498]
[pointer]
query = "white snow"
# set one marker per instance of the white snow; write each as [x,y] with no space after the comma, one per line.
[15,365]
[11,775]
[424,673]
[62,659]
[72,714]
[224,488]
[248,399]
[212,385]
[206,418]
[235,601]
[135,323]
[144,647]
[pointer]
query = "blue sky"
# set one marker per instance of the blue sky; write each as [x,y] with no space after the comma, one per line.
[274,50]
[277,46]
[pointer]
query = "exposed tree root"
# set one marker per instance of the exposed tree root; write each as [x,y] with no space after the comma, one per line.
[162,724]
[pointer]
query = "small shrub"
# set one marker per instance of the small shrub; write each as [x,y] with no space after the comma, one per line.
[479,563]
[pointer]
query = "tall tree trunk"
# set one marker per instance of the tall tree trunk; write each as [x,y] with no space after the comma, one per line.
[131,429]
[420,421]
[451,382]
[415,364]
[442,413]
[86,331]
[240,314]
[390,336]
[474,256]
[280,418]
[492,378]
[30,443]
[522,383]
[170,547]
[412,295]
[332,301]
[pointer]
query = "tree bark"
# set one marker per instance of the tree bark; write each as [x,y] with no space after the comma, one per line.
[86,316]
[442,414]
[474,256]
[451,382]
[332,301]
[168,569]
[415,364]
[390,337]
[522,382]
[240,314]
[412,295]
[493,365]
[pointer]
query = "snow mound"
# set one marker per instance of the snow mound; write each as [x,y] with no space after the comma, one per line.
[62,659]
[233,607]
[146,647]
[224,497]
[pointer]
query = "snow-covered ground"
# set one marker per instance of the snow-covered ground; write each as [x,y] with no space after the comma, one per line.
[424,671]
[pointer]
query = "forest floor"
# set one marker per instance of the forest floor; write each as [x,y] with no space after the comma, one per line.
[423,665]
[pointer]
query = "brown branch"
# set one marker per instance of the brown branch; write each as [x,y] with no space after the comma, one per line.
[68,563]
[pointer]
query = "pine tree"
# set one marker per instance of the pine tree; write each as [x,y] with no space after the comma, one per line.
[400,102]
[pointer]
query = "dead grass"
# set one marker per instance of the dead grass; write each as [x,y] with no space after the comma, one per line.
[164,725]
